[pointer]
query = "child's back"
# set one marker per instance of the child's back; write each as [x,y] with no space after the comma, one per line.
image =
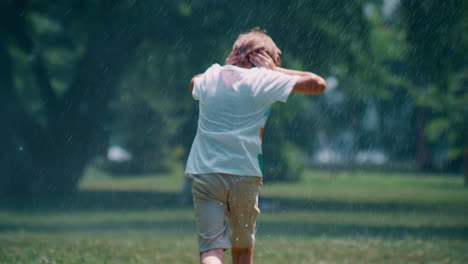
[234,107]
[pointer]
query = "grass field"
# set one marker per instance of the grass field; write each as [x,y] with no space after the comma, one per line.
[326,218]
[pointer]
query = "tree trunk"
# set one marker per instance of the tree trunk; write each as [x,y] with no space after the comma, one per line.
[81,131]
[422,154]
[48,159]
[465,167]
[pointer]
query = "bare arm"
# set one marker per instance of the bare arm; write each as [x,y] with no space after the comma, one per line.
[308,82]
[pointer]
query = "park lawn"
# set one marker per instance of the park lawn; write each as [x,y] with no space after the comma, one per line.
[319,185]
[375,187]
[157,247]
[326,218]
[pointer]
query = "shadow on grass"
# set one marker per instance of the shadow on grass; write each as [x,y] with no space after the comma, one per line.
[274,203]
[96,201]
[91,200]
[265,228]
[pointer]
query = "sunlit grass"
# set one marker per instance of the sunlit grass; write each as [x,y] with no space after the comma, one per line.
[152,247]
[98,180]
[372,187]
[98,247]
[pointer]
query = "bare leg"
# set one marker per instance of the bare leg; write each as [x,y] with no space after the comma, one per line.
[242,255]
[212,256]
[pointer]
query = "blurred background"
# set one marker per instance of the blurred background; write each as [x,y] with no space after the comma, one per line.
[94,96]
[104,84]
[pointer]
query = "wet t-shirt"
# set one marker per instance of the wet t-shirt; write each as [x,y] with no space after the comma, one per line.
[234,104]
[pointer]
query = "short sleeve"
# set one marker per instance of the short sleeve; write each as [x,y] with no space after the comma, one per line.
[200,83]
[276,86]
[197,88]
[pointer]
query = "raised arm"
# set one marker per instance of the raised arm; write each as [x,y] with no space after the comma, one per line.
[308,83]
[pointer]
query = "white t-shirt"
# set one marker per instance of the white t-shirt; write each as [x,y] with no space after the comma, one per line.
[234,106]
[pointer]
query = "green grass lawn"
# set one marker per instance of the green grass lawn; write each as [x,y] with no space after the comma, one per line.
[326,218]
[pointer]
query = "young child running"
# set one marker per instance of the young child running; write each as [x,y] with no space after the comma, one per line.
[225,160]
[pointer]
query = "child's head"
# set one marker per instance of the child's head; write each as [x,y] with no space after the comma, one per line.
[253,41]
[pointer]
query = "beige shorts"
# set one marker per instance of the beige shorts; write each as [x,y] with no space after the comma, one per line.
[218,197]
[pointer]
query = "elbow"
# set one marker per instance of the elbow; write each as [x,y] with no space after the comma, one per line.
[310,84]
[317,85]
[321,85]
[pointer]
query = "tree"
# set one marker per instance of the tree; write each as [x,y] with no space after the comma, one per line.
[437,59]
[48,148]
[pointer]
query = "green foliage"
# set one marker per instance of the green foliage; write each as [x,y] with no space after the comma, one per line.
[437,57]
[77,75]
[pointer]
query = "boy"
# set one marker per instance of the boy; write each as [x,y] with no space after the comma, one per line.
[226,156]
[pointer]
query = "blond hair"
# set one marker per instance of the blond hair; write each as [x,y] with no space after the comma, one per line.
[255,40]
